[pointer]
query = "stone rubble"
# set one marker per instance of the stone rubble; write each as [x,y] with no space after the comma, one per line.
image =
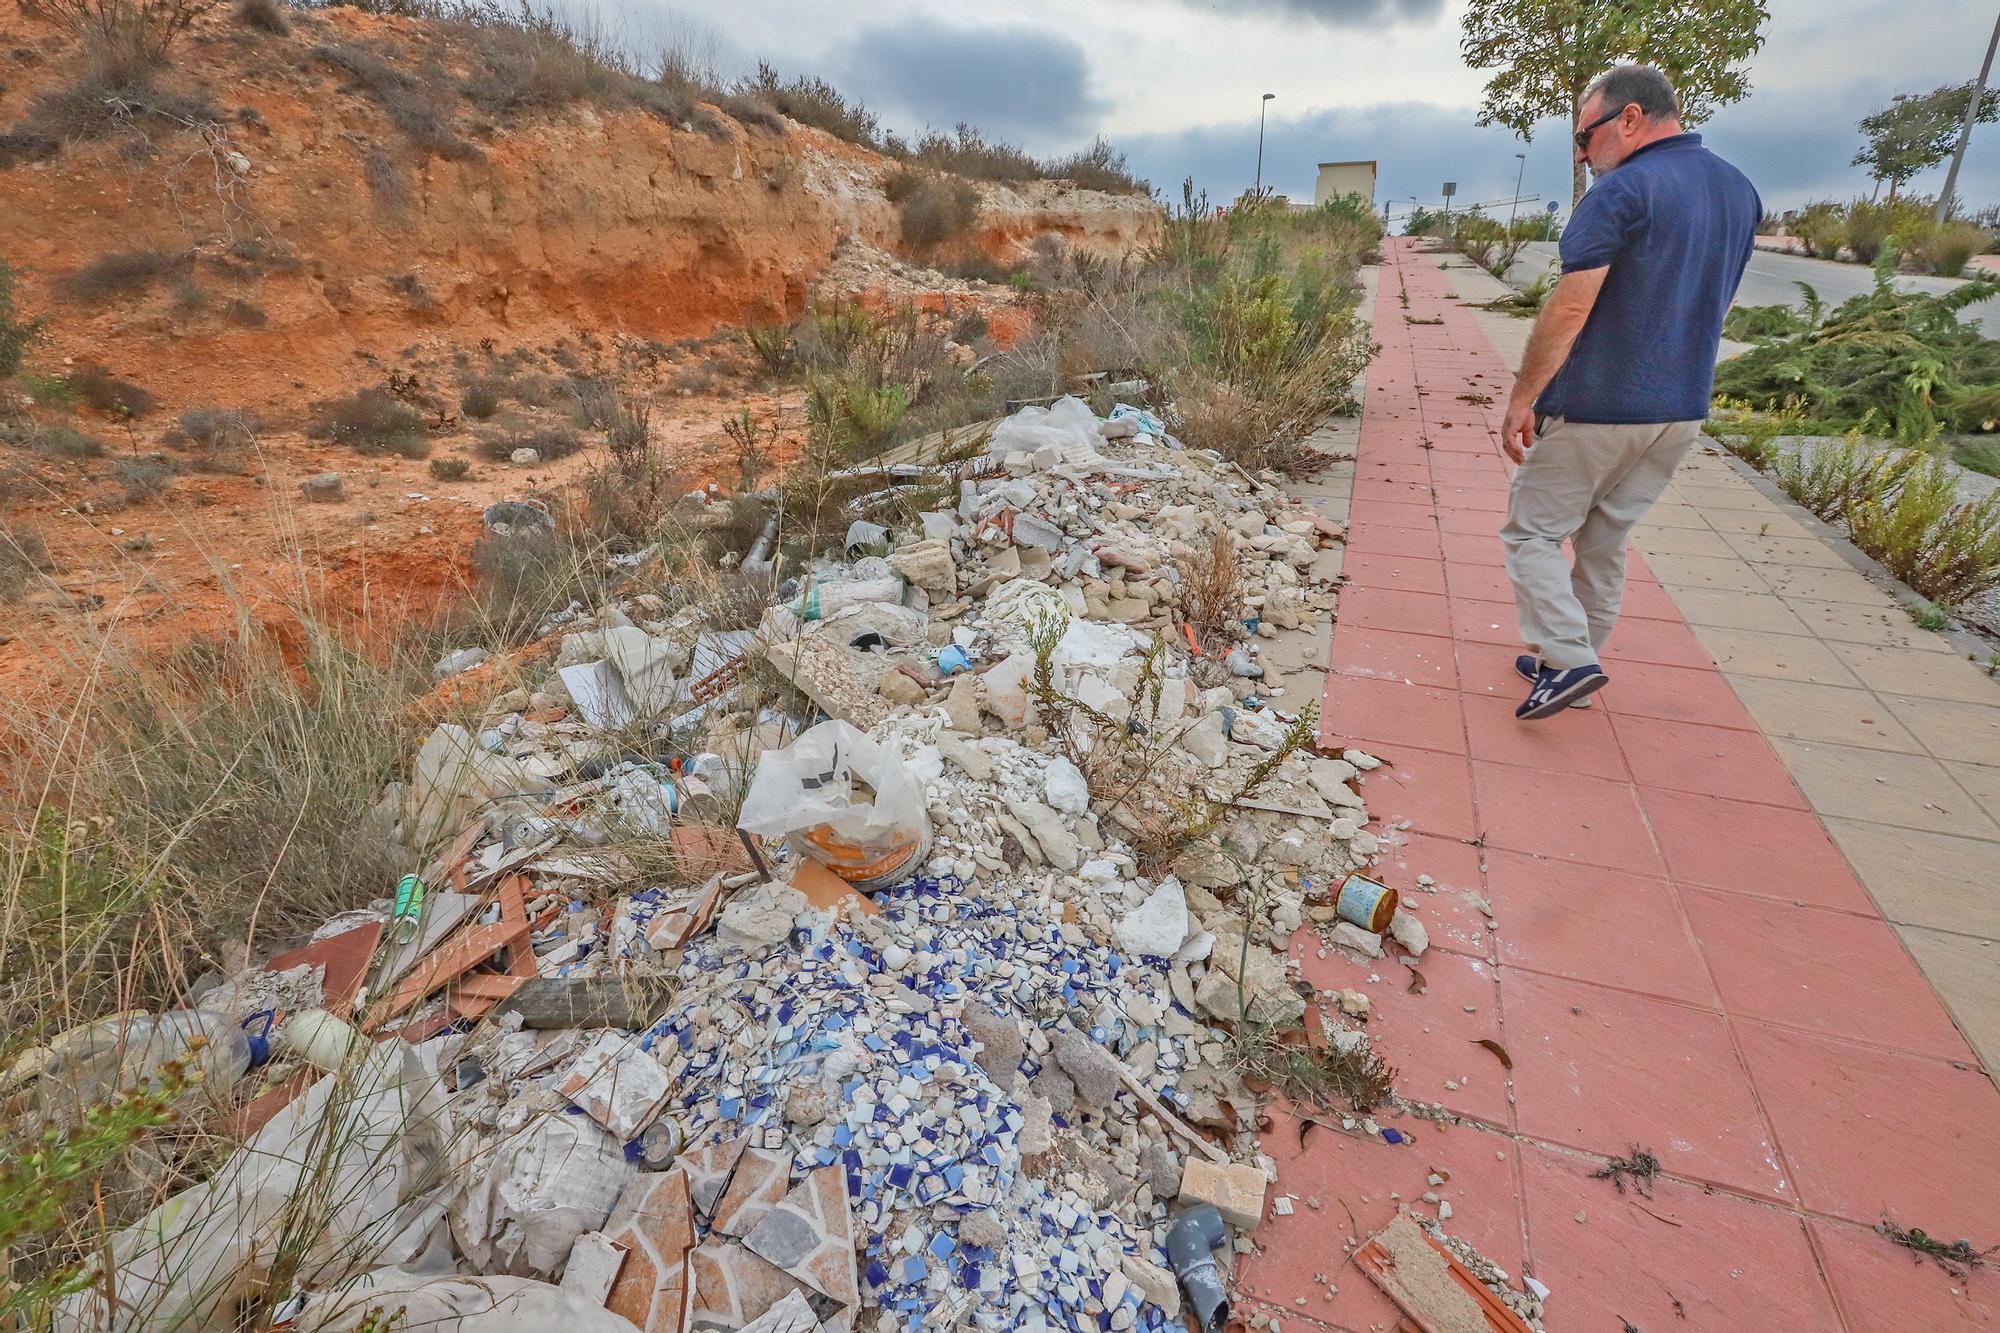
[966,1099]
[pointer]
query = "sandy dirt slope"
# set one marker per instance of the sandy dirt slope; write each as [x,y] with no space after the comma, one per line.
[334,228]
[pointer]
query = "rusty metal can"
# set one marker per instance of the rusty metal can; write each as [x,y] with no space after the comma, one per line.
[1364,902]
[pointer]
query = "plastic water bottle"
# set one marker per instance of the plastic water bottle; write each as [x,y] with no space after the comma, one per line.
[96,1061]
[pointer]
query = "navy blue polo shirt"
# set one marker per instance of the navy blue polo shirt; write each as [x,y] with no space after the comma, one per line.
[1675,224]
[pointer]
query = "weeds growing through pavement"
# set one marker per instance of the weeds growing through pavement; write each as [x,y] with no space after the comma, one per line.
[1933,616]
[1640,1167]
[1902,507]
[1958,1258]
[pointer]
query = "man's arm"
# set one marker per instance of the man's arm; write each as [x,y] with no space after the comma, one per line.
[1562,317]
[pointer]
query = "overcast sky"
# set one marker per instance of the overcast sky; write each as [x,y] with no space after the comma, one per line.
[1175,84]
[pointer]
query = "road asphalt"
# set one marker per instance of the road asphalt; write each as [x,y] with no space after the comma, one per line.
[1773,279]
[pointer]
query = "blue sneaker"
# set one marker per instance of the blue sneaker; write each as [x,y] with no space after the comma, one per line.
[1556,690]
[1526,667]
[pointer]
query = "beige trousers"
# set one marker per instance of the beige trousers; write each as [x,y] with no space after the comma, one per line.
[1586,484]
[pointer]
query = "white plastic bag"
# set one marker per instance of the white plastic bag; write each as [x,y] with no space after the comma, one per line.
[1066,424]
[856,806]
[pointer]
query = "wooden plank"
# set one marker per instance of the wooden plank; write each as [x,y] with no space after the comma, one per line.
[463,951]
[1177,1126]
[629,1002]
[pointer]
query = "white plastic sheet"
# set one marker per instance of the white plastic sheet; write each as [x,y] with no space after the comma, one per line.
[846,801]
[1066,424]
[453,1304]
[520,1204]
[359,1145]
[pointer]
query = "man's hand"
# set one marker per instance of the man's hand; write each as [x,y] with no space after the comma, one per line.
[1517,431]
[1563,314]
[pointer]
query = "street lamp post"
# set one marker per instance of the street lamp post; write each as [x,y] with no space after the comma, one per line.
[1260,142]
[1965,130]
[1519,176]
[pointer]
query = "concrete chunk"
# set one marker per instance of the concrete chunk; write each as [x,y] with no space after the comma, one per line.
[1235,1188]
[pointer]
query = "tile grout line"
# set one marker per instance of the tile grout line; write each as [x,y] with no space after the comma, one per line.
[1788,1177]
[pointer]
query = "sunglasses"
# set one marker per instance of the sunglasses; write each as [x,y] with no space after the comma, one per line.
[1582,136]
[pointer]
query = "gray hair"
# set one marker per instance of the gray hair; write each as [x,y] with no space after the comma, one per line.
[1643,84]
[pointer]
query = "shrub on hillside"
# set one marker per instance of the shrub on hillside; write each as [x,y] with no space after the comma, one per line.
[451,469]
[26,145]
[218,427]
[96,387]
[479,400]
[537,60]
[932,208]
[111,96]
[977,268]
[61,440]
[217,438]
[124,273]
[135,30]
[387,184]
[264,16]
[421,109]
[1098,167]
[143,478]
[967,152]
[17,333]
[373,420]
[815,102]
[548,442]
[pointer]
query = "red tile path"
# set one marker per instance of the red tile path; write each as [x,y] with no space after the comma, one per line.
[1678,958]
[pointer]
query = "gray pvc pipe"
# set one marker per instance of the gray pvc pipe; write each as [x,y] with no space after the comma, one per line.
[1191,1246]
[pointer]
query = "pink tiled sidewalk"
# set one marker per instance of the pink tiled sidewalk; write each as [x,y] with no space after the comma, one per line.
[1678,958]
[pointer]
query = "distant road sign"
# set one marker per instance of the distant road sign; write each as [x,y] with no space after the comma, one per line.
[1450,189]
[1554,206]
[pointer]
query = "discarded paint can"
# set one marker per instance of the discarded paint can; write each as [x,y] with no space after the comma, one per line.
[1367,904]
[659,1144]
[407,915]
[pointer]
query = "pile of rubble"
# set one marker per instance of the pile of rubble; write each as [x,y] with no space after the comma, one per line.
[944,1031]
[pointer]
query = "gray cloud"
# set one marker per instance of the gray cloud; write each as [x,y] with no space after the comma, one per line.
[1013,82]
[1784,141]
[1334,13]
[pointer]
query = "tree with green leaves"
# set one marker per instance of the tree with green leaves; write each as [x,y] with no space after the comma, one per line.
[1916,131]
[1548,51]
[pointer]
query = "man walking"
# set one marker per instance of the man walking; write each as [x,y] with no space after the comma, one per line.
[1618,373]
